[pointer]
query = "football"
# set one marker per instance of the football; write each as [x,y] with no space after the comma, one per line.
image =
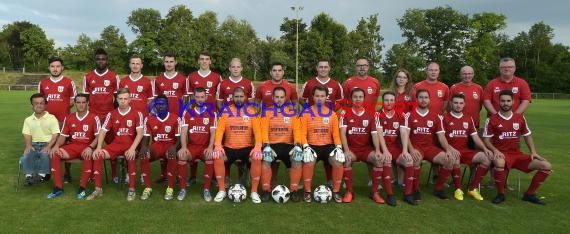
[237,193]
[322,194]
[280,194]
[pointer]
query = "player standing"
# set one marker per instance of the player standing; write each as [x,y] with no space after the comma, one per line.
[507,80]
[363,81]
[438,91]
[139,86]
[472,92]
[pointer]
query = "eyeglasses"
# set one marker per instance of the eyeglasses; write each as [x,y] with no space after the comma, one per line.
[362,65]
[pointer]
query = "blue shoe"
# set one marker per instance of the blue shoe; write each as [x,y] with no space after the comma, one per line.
[55,193]
[81,195]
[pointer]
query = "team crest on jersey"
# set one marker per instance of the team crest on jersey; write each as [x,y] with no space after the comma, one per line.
[286,120]
[129,123]
[475,95]
[246,118]
[155,127]
[465,125]
[85,127]
[515,89]
[365,123]
[175,85]
[516,126]
[330,90]
[139,88]
[209,84]
[60,89]
[439,93]
[369,90]
[496,90]
[326,120]
[106,82]
[205,121]
[395,125]
[430,123]
[407,98]
[167,129]
[72,125]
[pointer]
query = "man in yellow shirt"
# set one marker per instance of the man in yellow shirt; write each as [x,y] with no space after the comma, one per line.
[40,131]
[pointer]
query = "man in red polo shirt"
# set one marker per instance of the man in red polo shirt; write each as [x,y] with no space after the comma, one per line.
[507,80]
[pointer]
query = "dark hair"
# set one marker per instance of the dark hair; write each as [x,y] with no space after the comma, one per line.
[38,95]
[55,59]
[320,87]
[388,93]
[169,54]
[421,91]
[507,92]
[205,53]
[277,63]
[100,51]
[458,95]
[279,88]
[324,60]
[85,95]
[199,90]
[161,96]
[123,90]
[357,90]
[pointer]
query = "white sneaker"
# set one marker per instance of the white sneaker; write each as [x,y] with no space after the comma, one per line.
[255,198]
[220,196]
[127,178]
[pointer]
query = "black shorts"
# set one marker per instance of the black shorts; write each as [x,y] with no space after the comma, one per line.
[237,154]
[282,150]
[323,152]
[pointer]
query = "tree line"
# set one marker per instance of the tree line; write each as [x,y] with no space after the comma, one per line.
[440,34]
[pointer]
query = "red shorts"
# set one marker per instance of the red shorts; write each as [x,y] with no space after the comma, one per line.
[518,160]
[160,148]
[116,149]
[429,152]
[467,156]
[74,150]
[362,153]
[395,152]
[197,152]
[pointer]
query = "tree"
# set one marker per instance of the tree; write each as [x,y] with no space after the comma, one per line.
[401,56]
[115,43]
[79,56]
[36,47]
[366,40]
[177,36]
[237,39]
[14,45]
[146,24]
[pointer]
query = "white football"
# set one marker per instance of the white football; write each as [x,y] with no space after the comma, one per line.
[281,194]
[237,193]
[322,194]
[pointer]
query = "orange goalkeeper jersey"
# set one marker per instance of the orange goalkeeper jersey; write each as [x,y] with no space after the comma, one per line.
[237,129]
[319,127]
[279,128]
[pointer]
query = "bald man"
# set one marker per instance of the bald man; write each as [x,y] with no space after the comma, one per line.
[472,91]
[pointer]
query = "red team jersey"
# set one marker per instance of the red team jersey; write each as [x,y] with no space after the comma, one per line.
[264,92]
[520,89]
[438,95]
[473,99]
[209,82]
[370,85]
[101,88]
[162,130]
[123,125]
[458,129]
[405,99]
[141,92]
[199,126]
[423,128]
[505,132]
[391,127]
[227,86]
[81,130]
[59,93]
[336,92]
[359,130]
[173,87]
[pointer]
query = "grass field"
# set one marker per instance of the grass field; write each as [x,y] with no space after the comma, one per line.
[29,211]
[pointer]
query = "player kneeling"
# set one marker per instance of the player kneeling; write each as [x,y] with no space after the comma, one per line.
[162,127]
[321,141]
[280,129]
[359,132]
[81,128]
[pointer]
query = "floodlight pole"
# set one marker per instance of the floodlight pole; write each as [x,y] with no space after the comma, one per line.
[297,9]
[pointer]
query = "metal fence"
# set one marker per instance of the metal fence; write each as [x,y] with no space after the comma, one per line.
[13,87]
[550,96]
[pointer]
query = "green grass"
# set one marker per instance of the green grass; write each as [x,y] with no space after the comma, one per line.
[29,210]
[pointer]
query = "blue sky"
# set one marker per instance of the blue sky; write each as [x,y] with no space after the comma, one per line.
[64,20]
